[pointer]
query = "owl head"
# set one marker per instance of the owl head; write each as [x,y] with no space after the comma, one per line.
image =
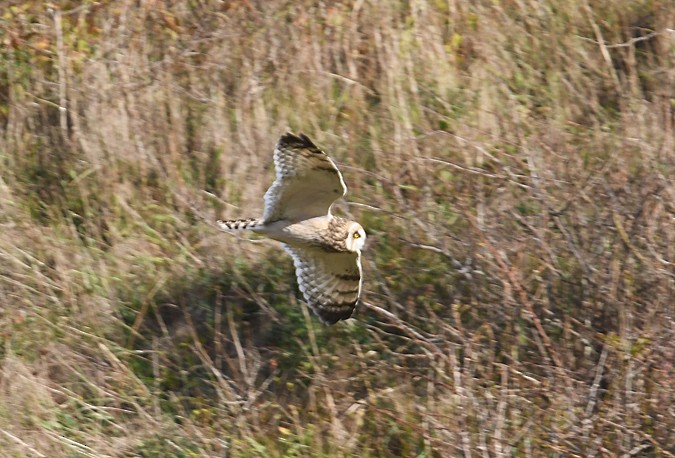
[356,237]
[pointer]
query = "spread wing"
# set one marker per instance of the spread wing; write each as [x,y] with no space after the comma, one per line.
[329,281]
[307,181]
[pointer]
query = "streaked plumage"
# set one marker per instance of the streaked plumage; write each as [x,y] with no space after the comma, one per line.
[326,250]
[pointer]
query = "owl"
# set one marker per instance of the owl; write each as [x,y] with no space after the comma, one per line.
[326,249]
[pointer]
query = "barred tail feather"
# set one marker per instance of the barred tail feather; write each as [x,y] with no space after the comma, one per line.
[240,224]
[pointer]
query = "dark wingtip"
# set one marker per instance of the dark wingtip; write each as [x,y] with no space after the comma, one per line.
[305,139]
[298,141]
[331,318]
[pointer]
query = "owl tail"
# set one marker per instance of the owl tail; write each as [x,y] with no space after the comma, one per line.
[240,224]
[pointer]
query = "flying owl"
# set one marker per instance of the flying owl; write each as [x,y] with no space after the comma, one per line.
[326,249]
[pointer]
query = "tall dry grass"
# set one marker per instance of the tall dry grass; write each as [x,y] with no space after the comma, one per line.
[511,161]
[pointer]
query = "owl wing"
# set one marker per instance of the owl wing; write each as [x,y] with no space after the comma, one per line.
[329,281]
[307,181]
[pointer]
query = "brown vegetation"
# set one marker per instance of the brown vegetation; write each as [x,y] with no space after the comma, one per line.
[512,162]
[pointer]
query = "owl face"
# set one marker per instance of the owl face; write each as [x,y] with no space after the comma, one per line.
[356,237]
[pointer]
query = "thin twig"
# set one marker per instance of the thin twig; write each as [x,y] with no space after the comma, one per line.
[522,294]
[22,443]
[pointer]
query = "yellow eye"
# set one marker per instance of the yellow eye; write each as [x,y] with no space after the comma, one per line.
[356,235]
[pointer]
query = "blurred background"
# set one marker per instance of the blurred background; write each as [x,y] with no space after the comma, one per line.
[511,160]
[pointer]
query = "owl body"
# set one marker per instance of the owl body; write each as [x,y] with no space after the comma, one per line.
[326,250]
[307,232]
[328,233]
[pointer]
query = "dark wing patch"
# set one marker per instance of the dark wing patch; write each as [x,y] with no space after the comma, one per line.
[307,181]
[330,282]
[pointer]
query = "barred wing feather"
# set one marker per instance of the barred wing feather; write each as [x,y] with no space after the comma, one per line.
[307,181]
[329,281]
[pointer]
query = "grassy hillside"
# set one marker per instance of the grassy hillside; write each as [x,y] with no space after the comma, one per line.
[511,161]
